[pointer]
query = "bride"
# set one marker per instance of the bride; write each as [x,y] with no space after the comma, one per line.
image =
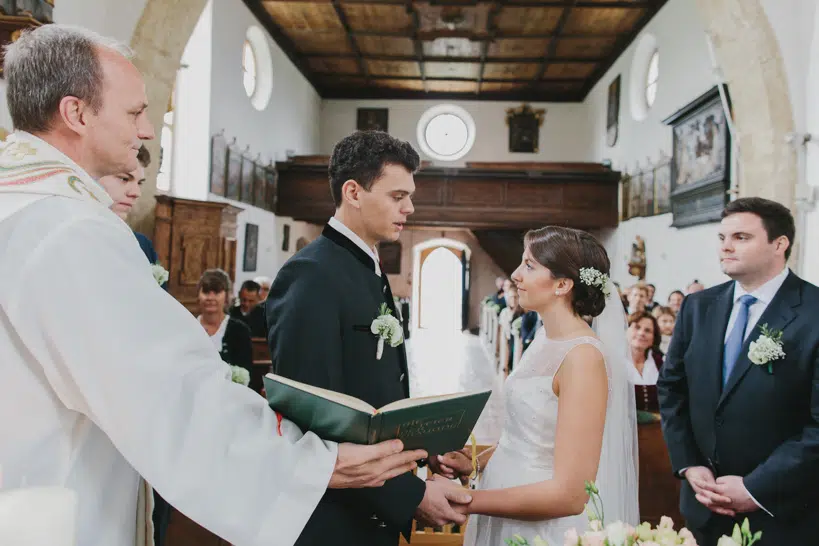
[569,406]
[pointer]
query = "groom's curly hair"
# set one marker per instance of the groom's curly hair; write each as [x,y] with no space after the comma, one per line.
[362,157]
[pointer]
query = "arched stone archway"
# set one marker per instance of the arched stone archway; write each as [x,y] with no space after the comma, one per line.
[750,58]
[159,40]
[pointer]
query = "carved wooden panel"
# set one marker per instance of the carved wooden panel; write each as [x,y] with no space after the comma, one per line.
[190,237]
[493,195]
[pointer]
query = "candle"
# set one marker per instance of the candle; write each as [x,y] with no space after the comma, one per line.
[38,516]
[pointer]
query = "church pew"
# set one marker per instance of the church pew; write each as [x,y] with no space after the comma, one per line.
[659,490]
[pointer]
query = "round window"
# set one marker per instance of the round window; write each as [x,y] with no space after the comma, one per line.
[446,132]
[644,77]
[257,68]
[652,77]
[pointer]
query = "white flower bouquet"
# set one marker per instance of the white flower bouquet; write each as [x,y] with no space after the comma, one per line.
[620,534]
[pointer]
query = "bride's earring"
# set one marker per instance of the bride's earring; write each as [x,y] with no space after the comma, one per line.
[557,293]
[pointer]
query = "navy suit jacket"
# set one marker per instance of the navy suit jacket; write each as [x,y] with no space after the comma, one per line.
[761,426]
[148,248]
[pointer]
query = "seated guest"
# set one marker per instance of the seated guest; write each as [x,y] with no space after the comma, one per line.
[646,357]
[500,297]
[507,316]
[675,300]
[695,286]
[249,311]
[264,287]
[650,303]
[230,337]
[666,319]
[637,299]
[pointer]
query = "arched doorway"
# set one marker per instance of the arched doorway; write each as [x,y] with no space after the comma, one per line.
[441,289]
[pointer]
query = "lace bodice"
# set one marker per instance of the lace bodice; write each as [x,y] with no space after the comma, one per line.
[530,417]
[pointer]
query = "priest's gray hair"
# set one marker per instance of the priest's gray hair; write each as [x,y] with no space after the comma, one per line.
[52,62]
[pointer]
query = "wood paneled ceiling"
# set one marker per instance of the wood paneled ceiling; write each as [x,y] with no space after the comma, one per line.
[528,50]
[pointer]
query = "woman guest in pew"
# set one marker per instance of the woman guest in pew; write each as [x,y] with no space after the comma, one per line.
[231,337]
[646,357]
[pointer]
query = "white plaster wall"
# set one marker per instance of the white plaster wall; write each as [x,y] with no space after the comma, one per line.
[190,169]
[564,135]
[810,179]
[290,120]
[674,256]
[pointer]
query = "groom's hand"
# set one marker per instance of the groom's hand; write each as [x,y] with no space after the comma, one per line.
[704,485]
[452,465]
[370,466]
[435,509]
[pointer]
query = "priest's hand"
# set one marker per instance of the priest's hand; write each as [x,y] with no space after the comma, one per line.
[370,466]
[452,465]
[440,501]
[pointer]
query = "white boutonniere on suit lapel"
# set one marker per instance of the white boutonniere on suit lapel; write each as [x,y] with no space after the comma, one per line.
[388,329]
[766,348]
[160,273]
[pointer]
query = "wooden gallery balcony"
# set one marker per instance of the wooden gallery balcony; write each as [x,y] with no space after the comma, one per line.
[478,196]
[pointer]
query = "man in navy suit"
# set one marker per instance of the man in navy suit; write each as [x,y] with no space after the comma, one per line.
[742,426]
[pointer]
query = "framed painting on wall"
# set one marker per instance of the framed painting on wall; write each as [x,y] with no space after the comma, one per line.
[373,119]
[286,238]
[625,196]
[647,193]
[613,112]
[233,187]
[259,186]
[248,170]
[251,247]
[635,194]
[218,164]
[700,165]
[662,188]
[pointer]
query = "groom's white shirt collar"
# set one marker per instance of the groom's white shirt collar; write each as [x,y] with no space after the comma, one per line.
[339,226]
[765,293]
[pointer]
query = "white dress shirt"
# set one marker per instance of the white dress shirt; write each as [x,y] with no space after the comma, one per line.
[764,294]
[372,252]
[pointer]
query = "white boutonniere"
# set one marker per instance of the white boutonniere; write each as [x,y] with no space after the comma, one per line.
[515,327]
[388,329]
[239,375]
[767,348]
[160,273]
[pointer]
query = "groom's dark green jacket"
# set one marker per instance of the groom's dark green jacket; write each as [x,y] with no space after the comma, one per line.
[319,312]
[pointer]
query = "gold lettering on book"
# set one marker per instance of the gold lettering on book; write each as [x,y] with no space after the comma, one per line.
[433,425]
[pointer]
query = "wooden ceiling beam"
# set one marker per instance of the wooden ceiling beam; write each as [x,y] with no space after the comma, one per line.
[442,59]
[430,35]
[551,49]
[603,4]
[492,28]
[515,96]
[620,46]
[527,81]
[285,43]
[417,46]
[362,65]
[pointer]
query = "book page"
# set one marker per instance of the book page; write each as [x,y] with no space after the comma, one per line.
[340,398]
[414,402]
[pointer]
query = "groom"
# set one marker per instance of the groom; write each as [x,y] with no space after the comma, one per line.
[319,313]
[742,427]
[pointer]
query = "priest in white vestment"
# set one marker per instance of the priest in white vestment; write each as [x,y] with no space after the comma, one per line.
[105,377]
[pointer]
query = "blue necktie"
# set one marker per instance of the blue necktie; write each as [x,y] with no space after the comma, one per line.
[733,345]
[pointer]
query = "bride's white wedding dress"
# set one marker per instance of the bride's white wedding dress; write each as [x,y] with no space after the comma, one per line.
[525,452]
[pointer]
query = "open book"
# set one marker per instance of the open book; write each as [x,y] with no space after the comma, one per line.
[437,424]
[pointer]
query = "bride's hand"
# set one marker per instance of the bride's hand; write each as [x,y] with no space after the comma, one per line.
[454,464]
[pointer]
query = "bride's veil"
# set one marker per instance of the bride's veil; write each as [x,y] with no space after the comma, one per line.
[617,473]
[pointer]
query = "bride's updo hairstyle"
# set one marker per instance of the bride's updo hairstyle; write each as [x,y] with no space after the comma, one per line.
[565,251]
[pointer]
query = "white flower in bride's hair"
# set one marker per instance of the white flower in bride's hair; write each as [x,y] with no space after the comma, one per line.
[592,277]
[387,328]
[160,273]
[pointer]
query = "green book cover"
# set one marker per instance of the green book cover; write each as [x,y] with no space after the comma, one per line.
[437,424]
